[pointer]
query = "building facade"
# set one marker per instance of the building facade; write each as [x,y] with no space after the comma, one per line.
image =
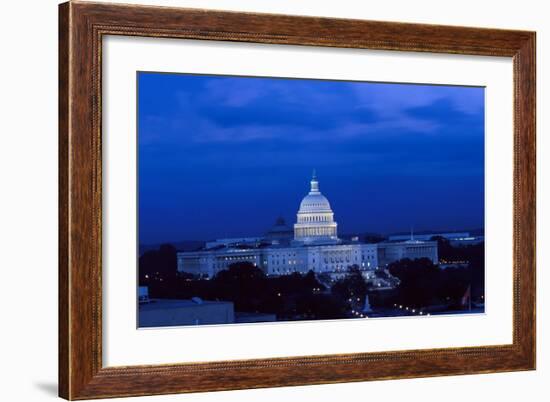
[315,219]
[454,238]
[312,245]
[277,260]
[389,252]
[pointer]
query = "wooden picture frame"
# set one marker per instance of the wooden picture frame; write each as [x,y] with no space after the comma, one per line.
[82,26]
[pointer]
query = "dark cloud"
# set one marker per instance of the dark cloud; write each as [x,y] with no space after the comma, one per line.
[225,155]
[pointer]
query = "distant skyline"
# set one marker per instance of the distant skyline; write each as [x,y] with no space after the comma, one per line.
[225,156]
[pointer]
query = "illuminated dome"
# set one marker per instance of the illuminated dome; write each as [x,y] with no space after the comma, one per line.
[315,219]
[315,202]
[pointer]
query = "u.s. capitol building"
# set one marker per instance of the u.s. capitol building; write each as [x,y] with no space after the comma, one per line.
[312,245]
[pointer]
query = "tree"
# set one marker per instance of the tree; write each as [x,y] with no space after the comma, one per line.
[158,265]
[352,286]
[321,307]
[473,255]
[382,274]
[444,249]
[419,281]
[423,284]
[242,283]
[240,272]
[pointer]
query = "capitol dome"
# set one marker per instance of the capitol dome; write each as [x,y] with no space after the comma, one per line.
[315,203]
[315,219]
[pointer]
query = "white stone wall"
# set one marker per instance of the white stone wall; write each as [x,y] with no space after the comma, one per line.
[284,260]
[209,263]
[299,258]
[336,258]
[390,252]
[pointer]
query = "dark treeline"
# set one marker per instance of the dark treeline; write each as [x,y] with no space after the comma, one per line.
[158,265]
[420,283]
[290,297]
[474,255]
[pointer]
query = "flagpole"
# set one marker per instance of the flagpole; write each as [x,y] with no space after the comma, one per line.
[470,297]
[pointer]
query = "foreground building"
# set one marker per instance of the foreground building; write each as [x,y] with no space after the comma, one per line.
[195,311]
[171,313]
[313,244]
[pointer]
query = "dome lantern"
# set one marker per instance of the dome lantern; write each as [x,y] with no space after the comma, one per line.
[314,183]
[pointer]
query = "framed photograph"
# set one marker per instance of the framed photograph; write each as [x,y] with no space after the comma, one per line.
[254,200]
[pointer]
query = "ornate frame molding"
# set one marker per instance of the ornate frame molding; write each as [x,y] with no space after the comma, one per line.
[82,25]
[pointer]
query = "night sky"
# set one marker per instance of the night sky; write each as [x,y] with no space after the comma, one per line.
[225,156]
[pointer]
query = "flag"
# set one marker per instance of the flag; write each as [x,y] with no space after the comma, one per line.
[467,298]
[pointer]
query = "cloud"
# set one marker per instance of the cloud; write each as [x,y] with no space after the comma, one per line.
[233,92]
[208,145]
[415,107]
[446,112]
[242,109]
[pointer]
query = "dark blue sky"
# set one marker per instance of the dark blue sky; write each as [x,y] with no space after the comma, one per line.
[224,156]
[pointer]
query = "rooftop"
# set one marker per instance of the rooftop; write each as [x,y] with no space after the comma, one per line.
[163,304]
